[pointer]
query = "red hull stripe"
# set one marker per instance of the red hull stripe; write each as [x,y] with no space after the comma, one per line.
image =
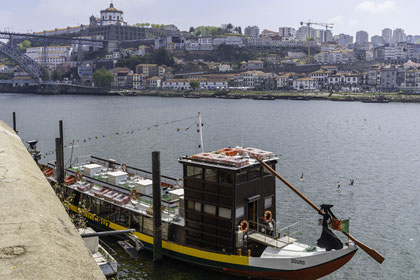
[314,272]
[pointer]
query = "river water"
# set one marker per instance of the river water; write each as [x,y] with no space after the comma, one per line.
[377,145]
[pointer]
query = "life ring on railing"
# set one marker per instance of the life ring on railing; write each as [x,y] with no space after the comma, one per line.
[268,216]
[78,176]
[244,226]
[124,167]
[134,194]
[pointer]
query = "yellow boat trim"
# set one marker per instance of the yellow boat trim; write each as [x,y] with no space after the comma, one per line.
[231,259]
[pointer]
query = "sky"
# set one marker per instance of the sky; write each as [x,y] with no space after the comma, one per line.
[348,16]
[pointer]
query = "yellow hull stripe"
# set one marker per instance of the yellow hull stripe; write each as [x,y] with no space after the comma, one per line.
[231,259]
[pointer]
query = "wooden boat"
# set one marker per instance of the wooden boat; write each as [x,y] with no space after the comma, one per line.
[102,257]
[263,97]
[221,215]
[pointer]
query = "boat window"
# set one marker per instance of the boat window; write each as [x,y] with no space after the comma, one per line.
[124,218]
[266,172]
[268,202]
[241,177]
[226,177]
[210,175]
[198,206]
[225,212]
[254,172]
[190,205]
[240,212]
[210,209]
[194,172]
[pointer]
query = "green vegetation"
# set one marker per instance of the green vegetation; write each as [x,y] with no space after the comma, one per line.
[194,84]
[24,45]
[103,78]
[46,75]
[159,57]
[56,76]
[234,54]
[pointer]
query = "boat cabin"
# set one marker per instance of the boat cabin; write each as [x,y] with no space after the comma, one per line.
[221,190]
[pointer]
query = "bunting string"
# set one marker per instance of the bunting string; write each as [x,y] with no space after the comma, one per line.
[117,134]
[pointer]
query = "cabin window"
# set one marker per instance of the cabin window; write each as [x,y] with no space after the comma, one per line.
[194,172]
[241,177]
[225,212]
[209,209]
[266,172]
[254,172]
[226,177]
[240,212]
[210,175]
[198,206]
[268,202]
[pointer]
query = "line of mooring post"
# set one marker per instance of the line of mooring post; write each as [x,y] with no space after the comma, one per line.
[60,124]
[157,217]
[58,166]
[14,122]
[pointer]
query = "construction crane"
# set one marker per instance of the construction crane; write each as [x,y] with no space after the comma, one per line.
[328,26]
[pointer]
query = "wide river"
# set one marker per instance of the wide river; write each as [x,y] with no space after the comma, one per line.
[377,145]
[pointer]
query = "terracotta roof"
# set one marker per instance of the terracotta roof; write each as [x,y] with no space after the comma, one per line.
[111,9]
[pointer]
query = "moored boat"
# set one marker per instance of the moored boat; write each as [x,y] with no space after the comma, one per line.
[221,215]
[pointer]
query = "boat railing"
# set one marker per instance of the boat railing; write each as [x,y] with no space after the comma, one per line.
[289,231]
[288,234]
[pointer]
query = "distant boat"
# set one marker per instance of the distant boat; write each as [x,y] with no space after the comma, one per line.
[191,96]
[230,97]
[263,97]
[380,99]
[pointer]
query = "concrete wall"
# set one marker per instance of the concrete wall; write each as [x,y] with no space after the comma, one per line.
[37,238]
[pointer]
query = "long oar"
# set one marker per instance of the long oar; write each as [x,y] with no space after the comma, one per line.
[370,251]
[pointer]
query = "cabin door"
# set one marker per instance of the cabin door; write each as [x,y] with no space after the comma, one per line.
[252,214]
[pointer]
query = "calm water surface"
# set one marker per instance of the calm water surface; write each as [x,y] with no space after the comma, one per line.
[377,145]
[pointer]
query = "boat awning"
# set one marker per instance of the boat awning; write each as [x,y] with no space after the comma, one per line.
[253,198]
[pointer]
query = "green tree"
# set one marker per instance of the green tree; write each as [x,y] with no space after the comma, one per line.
[238,29]
[56,76]
[229,26]
[192,30]
[103,78]
[132,62]
[24,45]
[194,84]
[162,57]
[46,75]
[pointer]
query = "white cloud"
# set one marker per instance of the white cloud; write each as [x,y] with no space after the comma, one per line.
[336,19]
[376,7]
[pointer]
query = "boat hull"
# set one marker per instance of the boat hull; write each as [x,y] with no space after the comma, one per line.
[311,267]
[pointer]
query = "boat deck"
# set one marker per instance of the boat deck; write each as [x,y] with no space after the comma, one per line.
[269,241]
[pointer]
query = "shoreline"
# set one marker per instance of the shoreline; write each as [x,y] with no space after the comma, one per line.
[377,97]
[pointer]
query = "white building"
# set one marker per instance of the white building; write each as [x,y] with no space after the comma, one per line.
[252,31]
[287,32]
[225,68]
[232,41]
[51,57]
[305,84]
[112,16]
[212,84]
[177,84]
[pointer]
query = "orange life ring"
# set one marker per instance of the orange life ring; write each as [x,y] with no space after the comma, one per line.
[124,167]
[244,226]
[78,176]
[270,216]
[134,194]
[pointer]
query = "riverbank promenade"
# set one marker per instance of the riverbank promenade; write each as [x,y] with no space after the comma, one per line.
[37,237]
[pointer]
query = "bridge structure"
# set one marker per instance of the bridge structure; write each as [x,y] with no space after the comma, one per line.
[33,68]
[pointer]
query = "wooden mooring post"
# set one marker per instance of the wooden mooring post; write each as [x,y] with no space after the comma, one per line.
[157,217]
[14,122]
